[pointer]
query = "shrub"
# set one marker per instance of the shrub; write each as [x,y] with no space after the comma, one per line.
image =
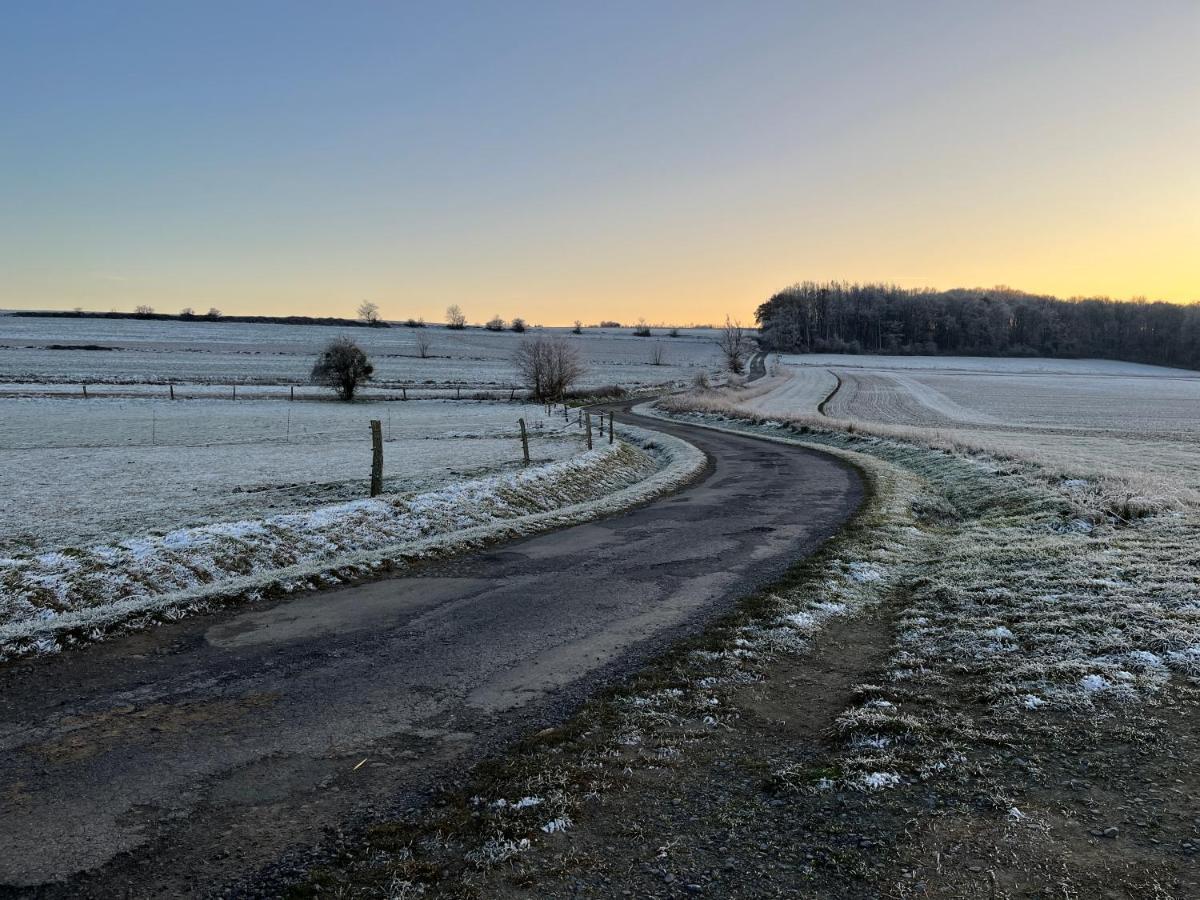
[342,366]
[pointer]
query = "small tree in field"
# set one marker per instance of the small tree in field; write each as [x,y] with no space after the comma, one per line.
[342,366]
[548,365]
[144,310]
[495,323]
[578,329]
[213,313]
[735,346]
[423,345]
[369,312]
[518,325]
[455,317]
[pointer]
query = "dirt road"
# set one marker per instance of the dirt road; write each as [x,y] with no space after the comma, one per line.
[181,759]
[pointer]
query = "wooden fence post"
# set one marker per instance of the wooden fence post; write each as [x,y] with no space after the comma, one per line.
[171,388]
[291,393]
[85,392]
[524,441]
[458,392]
[235,392]
[376,458]
[403,392]
[610,427]
[565,413]
[589,430]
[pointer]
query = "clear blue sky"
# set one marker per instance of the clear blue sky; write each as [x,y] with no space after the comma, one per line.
[563,160]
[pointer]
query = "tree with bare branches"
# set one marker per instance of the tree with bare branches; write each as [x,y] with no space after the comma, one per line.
[548,365]
[735,346]
[455,317]
[369,312]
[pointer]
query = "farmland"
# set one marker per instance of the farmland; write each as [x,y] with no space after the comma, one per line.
[1098,415]
[144,460]
[110,469]
[132,352]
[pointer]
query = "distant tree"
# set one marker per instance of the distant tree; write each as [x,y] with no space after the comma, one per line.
[78,310]
[674,332]
[735,347]
[423,344]
[213,313]
[455,317]
[187,312]
[658,355]
[144,310]
[578,329]
[414,323]
[495,323]
[518,325]
[369,312]
[342,366]
[641,329]
[548,365]
[608,323]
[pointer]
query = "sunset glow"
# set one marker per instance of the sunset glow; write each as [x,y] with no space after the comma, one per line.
[675,161]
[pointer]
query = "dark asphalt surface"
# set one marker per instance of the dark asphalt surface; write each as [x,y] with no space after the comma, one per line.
[181,759]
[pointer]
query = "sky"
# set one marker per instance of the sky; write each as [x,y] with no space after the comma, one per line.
[675,161]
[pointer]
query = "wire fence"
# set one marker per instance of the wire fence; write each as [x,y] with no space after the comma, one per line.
[309,424]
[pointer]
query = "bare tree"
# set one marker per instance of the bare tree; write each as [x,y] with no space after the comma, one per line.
[578,329]
[735,346]
[495,323]
[518,325]
[143,310]
[187,313]
[342,366]
[549,365]
[369,312]
[422,345]
[658,355]
[455,317]
[213,313]
[641,329]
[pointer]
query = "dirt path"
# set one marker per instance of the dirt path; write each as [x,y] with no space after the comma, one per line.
[178,760]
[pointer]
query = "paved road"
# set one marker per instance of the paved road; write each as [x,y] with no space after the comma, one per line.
[195,754]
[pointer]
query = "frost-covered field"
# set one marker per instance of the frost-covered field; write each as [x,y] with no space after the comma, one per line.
[117,500]
[76,472]
[225,353]
[1114,417]
[1029,607]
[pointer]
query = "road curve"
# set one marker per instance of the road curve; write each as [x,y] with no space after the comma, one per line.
[181,759]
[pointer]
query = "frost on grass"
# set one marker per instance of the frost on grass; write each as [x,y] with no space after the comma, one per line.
[1009,600]
[80,592]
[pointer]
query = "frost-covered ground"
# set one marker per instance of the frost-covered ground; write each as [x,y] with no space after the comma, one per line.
[1070,415]
[52,598]
[224,353]
[961,658]
[76,472]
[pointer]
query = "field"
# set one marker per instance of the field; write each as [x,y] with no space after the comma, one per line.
[121,499]
[213,353]
[108,469]
[1114,417]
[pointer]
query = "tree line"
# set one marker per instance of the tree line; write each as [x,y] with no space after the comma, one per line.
[839,317]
